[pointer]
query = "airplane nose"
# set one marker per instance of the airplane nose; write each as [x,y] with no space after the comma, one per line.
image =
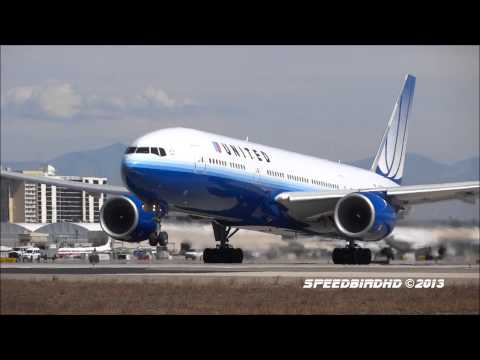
[138,179]
[133,174]
[125,170]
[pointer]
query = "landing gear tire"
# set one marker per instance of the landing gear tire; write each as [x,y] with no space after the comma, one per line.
[152,241]
[351,256]
[163,238]
[224,252]
[223,255]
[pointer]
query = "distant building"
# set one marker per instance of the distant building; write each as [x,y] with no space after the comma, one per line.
[41,203]
[62,234]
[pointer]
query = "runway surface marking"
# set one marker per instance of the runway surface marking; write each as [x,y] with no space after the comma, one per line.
[289,270]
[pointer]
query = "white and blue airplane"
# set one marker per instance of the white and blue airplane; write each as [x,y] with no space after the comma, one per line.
[238,184]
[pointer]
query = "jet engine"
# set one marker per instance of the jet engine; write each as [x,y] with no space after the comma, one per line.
[364,216]
[123,218]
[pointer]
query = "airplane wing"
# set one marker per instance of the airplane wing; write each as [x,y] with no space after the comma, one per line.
[75,185]
[308,206]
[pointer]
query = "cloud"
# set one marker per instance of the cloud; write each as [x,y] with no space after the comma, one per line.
[53,99]
[60,100]
[151,102]
[156,97]
[150,98]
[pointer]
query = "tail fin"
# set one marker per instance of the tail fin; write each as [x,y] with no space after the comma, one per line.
[390,157]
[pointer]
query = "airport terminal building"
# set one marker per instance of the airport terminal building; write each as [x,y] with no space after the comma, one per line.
[40,203]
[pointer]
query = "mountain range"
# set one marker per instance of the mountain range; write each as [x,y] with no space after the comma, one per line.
[420,169]
[102,162]
[105,162]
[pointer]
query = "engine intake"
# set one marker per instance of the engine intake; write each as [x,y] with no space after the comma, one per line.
[366,216]
[123,218]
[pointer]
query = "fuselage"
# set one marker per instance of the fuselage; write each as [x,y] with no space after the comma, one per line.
[231,180]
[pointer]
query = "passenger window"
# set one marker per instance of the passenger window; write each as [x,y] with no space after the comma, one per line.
[154,151]
[162,151]
[143,150]
[130,150]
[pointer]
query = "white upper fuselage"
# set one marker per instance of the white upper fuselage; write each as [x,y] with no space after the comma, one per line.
[263,163]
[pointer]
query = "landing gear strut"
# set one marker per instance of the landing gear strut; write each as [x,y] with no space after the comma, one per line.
[352,254]
[224,252]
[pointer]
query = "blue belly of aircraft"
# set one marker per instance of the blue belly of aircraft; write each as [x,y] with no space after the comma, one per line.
[234,197]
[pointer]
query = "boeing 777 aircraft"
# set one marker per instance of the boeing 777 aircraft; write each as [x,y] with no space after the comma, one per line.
[238,184]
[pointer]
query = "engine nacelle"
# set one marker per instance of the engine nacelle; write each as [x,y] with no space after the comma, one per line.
[365,216]
[123,218]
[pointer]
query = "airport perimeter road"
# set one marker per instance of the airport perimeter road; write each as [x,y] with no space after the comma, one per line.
[469,273]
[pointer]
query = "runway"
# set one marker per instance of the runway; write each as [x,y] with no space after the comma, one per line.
[469,273]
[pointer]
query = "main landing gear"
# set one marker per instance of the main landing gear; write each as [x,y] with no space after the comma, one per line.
[352,254]
[224,252]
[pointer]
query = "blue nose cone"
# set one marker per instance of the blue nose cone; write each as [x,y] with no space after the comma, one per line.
[124,171]
[137,178]
[131,174]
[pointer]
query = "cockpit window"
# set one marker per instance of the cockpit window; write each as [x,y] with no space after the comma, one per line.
[146,150]
[143,150]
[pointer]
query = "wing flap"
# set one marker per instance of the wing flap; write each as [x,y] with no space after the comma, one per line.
[90,188]
[309,206]
[421,194]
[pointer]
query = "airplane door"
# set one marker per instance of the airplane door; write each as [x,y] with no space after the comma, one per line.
[200,164]
[200,161]
[258,175]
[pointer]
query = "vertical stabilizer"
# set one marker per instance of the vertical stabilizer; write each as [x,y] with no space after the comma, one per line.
[390,158]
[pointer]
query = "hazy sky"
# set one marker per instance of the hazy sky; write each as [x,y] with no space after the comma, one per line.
[327,101]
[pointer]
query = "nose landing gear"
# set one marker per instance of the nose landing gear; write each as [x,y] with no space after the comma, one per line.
[352,254]
[224,252]
[158,238]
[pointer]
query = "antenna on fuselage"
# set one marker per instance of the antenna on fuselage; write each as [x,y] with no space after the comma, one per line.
[246,139]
